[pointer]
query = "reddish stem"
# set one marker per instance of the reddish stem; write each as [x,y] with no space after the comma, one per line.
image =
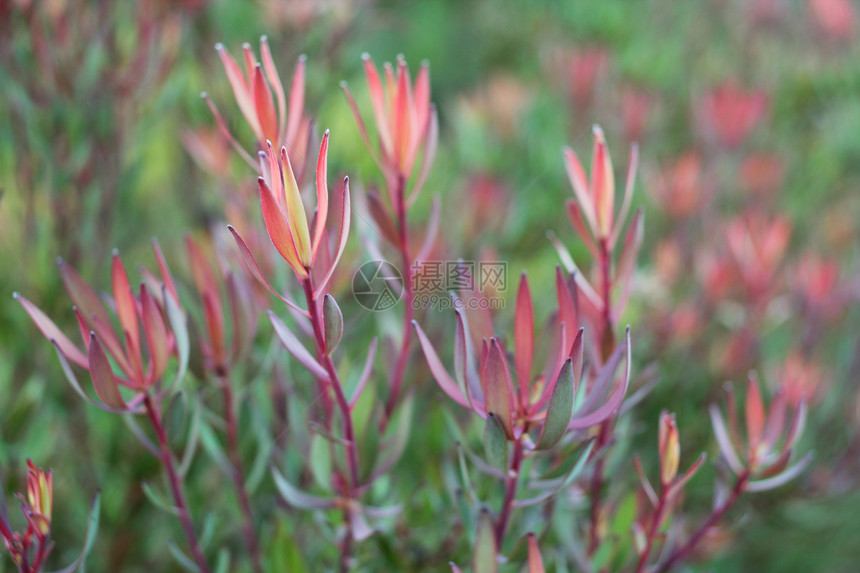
[343,405]
[684,551]
[238,474]
[175,482]
[597,487]
[605,431]
[510,491]
[408,310]
[656,519]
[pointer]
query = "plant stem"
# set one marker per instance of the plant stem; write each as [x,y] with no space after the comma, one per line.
[175,482]
[683,551]
[597,486]
[607,343]
[346,414]
[652,531]
[408,309]
[510,492]
[343,405]
[238,473]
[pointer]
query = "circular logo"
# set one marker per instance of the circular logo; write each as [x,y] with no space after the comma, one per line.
[377,285]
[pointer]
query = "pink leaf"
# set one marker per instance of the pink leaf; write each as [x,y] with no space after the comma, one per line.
[102,374]
[446,383]
[52,332]
[299,352]
[497,387]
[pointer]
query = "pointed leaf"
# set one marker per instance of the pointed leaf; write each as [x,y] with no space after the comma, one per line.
[495,442]
[484,558]
[264,105]
[345,217]
[101,372]
[535,559]
[497,387]
[298,498]
[84,297]
[523,338]
[155,332]
[52,332]
[278,228]
[299,352]
[322,195]
[560,409]
[332,323]
[446,383]
[256,272]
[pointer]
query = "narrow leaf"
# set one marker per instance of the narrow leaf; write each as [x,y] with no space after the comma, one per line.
[298,498]
[101,372]
[497,387]
[292,344]
[495,442]
[560,409]
[332,323]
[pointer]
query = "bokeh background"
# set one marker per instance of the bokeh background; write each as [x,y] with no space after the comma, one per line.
[747,116]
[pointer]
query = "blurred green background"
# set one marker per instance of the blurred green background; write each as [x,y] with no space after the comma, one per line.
[94,107]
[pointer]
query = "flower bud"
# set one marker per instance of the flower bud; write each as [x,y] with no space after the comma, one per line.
[669,448]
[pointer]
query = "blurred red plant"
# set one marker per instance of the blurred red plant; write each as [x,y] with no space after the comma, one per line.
[29,550]
[730,112]
[146,385]
[556,401]
[836,18]
[406,124]
[282,126]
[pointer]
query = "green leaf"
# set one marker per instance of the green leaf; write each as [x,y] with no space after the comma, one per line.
[222,564]
[284,554]
[495,442]
[332,323]
[484,557]
[209,441]
[181,558]
[298,498]
[176,416]
[560,409]
[320,461]
[89,538]
[157,499]
[179,326]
